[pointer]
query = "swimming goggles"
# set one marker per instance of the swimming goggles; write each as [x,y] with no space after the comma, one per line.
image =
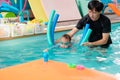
[67,43]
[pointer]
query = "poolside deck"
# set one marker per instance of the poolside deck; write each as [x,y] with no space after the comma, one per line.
[39,70]
[66,25]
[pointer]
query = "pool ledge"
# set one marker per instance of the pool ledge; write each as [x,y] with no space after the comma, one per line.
[38,70]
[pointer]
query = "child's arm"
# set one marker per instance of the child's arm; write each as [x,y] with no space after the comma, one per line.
[57,41]
[46,50]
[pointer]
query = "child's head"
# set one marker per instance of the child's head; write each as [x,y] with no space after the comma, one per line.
[65,39]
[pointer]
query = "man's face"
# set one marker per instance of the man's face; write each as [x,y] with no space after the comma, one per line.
[94,15]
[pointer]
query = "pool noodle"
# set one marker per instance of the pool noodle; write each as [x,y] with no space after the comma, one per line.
[86,36]
[55,19]
[84,32]
[12,8]
[13,3]
[49,26]
[21,5]
[1,16]
[7,9]
[4,9]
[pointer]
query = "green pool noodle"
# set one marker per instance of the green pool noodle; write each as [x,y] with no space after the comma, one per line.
[86,36]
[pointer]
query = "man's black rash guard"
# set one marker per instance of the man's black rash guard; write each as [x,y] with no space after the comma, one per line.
[102,25]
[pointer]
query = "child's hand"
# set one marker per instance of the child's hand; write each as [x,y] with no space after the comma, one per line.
[63,46]
[46,50]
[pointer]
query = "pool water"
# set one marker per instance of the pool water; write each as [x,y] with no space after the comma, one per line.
[21,50]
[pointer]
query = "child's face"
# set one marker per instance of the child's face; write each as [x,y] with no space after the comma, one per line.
[64,40]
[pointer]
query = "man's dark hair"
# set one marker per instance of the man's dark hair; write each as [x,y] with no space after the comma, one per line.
[95,4]
[67,37]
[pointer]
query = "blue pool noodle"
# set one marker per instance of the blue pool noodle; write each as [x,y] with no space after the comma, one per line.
[21,4]
[11,8]
[49,26]
[4,9]
[8,10]
[86,36]
[1,16]
[55,19]
[13,3]
[84,32]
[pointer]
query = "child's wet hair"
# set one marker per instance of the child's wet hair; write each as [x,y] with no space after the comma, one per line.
[67,37]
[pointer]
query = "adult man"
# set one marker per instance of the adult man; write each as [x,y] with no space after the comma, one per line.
[100,25]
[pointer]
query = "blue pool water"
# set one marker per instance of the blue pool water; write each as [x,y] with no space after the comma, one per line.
[17,51]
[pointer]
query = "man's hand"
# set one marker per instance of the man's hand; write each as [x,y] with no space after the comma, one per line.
[87,44]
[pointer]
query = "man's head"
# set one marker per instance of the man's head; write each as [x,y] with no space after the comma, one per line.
[94,9]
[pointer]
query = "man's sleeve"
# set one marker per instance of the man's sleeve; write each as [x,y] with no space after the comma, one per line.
[81,23]
[107,26]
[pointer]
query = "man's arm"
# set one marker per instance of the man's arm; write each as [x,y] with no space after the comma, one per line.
[70,33]
[99,42]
